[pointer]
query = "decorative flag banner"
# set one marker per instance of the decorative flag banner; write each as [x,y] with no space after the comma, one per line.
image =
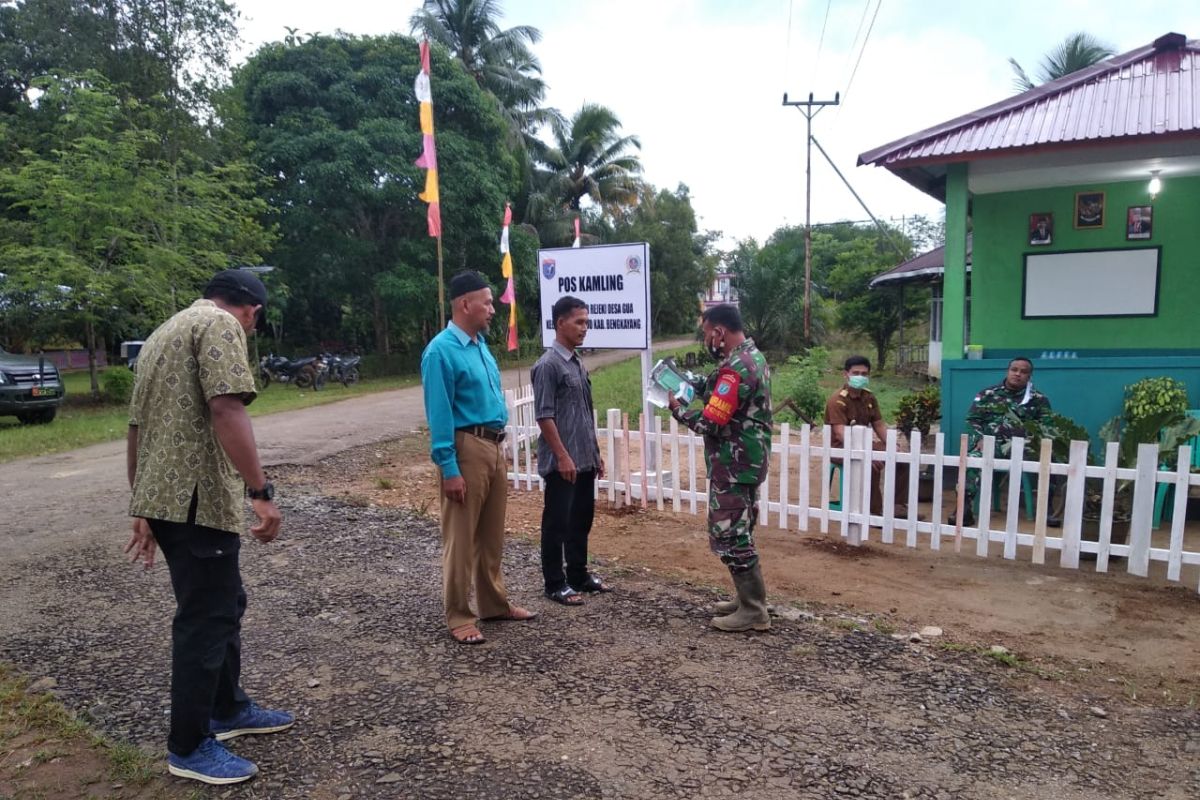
[576,242]
[506,271]
[428,159]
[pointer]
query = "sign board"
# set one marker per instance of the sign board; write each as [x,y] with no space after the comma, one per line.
[614,281]
[1092,283]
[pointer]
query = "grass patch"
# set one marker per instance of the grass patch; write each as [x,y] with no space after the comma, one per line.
[61,734]
[619,385]
[883,626]
[81,423]
[384,483]
[841,623]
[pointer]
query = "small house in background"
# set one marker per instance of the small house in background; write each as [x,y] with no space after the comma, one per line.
[721,292]
[1083,199]
[925,270]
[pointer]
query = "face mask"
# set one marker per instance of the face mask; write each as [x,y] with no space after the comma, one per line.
[858,381]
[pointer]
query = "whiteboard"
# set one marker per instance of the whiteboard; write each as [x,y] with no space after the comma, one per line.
[1092,283]
[614,281]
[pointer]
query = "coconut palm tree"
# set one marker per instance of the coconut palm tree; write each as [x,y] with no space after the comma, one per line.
[501,61]
[588,157]
[1077,51]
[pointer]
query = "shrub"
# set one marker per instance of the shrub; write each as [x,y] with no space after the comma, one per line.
[919,410]
[1152,396]
[798,384]
[117,384]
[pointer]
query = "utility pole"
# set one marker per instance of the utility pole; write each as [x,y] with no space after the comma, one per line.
[809,108]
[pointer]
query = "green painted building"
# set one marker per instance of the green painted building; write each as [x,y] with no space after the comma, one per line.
[1082,198]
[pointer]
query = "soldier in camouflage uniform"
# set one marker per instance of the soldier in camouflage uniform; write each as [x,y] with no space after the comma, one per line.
[999,411]
[736,425]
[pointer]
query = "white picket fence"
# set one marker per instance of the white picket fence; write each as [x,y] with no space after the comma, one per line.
[801,456]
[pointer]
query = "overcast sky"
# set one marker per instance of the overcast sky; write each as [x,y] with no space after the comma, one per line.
[701,82]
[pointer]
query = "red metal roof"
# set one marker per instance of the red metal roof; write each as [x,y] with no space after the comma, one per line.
[1149,92]
[927,267]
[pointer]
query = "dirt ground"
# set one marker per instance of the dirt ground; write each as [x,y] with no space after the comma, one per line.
[1114,632]
[631,696]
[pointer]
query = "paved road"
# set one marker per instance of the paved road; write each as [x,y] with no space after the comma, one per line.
[67,499]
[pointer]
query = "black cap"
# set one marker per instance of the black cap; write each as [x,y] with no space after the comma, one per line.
[238,283]
[466,281]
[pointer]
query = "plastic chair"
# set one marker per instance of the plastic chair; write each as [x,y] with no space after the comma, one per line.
[836,469]
[1026,493]
[1165,492]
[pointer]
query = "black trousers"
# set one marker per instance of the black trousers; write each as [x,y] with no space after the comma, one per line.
[206,641]
[566,522]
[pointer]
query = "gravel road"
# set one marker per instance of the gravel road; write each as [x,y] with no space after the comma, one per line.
[630,696]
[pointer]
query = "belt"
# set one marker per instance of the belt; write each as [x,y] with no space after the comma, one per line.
[491,434]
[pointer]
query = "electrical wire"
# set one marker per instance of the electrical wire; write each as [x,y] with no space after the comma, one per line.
[821,40]
[787,47]
[866,38]
[854,43]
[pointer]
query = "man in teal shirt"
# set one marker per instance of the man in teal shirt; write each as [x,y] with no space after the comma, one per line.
[464,406]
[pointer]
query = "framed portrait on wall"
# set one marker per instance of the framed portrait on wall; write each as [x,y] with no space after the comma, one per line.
[1089,210]
[1138,222]
[1041,228]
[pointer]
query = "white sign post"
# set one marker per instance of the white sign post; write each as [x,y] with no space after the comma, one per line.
[614,281]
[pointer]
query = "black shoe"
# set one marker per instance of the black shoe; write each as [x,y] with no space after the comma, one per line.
[593,585]
[968,519]
[1054,522]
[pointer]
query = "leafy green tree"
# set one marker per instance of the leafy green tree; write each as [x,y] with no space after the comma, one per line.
[1077,51]
[873,313]
[682,261]
[101,233]
[334,122]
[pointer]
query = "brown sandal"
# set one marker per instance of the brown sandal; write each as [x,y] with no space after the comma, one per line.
[514,614]
[467,634]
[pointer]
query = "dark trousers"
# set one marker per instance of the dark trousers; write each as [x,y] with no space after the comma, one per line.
[566,522]
[206,642]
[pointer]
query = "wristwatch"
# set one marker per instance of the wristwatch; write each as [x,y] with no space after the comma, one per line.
[267,492]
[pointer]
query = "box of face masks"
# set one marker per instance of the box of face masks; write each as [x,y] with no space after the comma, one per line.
[666,381]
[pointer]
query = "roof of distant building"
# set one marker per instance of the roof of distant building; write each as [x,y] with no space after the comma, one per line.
[925,268]
[1148,94]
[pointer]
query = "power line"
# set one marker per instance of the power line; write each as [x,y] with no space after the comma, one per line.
[787,47]
[866,38]
[821,40]
[861,20]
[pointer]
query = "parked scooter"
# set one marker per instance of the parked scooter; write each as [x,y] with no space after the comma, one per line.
[304,372]
[342,368]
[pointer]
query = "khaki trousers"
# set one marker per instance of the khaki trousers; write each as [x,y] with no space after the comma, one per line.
[473,533]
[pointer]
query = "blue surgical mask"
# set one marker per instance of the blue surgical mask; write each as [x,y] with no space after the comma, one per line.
[858,381]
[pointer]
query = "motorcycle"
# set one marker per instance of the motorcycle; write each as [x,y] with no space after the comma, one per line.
[342,368]
[304,372]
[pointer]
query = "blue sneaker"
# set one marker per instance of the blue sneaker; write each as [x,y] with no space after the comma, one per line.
[211,763]
[252,720]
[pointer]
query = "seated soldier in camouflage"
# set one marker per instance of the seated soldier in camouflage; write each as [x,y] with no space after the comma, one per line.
[997,411]
[736,426]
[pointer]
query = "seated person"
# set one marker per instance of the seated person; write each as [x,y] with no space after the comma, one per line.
[854,404]
[992,414]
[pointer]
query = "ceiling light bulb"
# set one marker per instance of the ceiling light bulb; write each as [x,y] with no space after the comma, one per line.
[1155,184]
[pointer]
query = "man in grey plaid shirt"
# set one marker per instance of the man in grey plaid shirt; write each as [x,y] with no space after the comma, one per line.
[568,456]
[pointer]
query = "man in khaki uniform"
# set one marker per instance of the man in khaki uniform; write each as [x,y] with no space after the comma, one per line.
[192,460]
[854,404]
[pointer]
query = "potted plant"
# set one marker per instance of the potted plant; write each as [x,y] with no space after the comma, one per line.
[1154,411]
[917,412]
[1168,428]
